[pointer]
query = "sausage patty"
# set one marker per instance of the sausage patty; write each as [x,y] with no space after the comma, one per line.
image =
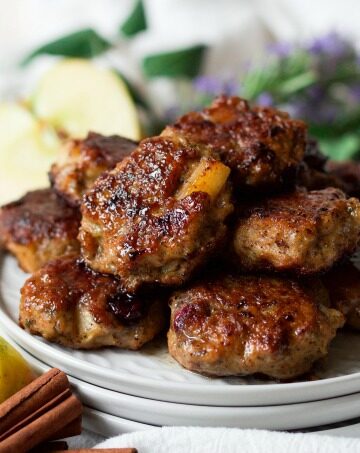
[240,325]
[302,232]
[82,161]
[343,285]
[263,146]
[67,303]
[39,227]
[158,214]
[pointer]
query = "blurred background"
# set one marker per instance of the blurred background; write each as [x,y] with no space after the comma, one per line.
[176,55]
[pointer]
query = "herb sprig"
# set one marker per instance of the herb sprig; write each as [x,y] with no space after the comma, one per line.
[318,81]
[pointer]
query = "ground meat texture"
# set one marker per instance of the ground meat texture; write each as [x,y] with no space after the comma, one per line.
[139,224]
[241,325]
[82,161]
[343,285]
[262,146]
[39,227]
[301,232]
[67,303]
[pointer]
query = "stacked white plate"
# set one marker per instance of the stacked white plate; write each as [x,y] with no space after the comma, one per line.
[128,391]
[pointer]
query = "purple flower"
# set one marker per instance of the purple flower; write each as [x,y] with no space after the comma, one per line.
[280,49]
[331,44]
[209,85]
[214,86]
[231,87]
[328,113]
[265,99]
[354,91]
[316,112]
[315,92]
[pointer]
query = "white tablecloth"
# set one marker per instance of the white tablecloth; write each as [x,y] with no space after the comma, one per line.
[89,439]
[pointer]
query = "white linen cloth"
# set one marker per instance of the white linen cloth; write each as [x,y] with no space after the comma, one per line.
[223,440]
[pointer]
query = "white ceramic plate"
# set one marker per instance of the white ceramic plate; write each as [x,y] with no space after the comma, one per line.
[152,412]
[151,372]
[107,425]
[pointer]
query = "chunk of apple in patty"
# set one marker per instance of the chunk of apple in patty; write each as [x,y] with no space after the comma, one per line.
[209,176]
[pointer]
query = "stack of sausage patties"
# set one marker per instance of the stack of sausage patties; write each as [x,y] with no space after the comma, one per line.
[64,300]
[217,217]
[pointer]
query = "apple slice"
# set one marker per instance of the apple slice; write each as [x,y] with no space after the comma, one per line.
[27,149]
[76,97]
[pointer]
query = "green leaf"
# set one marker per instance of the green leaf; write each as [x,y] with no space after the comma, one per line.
[137,96]
[281,78]
[181,63]
[80,44]
[345,124]
[297,83]
[136,22]
[341,148]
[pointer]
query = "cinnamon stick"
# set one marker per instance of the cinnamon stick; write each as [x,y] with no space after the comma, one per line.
[31,398]
[49,447]
[44,410]
[42,428]
[74,428]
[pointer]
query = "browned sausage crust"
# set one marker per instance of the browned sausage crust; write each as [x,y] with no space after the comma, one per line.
[138,226]
[261,145]
[67,303]
[343,285]
[240,325]
[82,161]
[39,227]
[302,232]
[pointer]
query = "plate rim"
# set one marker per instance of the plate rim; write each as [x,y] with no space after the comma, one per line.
[162,408]
[179,392]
